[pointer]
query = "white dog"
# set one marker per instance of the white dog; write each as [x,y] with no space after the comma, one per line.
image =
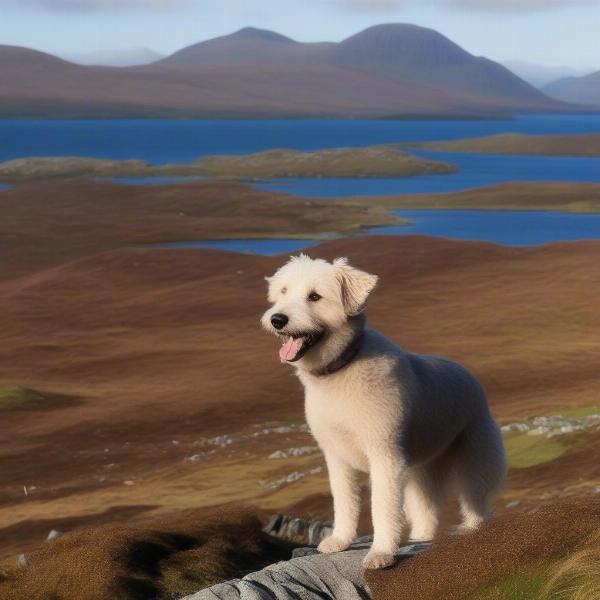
[419,425]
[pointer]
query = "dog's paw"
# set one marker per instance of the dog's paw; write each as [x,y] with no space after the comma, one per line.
[378,560]
[333,544]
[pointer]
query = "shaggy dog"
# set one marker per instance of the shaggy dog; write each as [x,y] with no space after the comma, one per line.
[419,425]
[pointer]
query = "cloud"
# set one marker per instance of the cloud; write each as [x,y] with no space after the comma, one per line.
[94,5]
[476,5]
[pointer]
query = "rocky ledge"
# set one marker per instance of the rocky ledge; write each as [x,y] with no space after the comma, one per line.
[309,575]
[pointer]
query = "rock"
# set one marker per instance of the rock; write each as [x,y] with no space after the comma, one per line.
[278,454]
[309,575]
[22,561]
[298,530]
[55,533]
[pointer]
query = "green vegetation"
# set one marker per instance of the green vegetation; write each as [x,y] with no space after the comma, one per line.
[15,397]
[579,413]
[525,585]
[523,450]
[554,195]
[522,144]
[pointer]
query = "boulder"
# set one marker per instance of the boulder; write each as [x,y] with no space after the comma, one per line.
[309,575]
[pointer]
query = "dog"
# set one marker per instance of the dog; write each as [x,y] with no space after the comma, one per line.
[419,425]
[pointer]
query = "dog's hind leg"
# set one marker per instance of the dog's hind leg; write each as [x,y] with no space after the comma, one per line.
[423,497]
[478,471]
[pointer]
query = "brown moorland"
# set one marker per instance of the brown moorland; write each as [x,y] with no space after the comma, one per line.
[518,143]
[139,384]
[557,196]
[173,555]
[511,552]
[180,401]
[48,223]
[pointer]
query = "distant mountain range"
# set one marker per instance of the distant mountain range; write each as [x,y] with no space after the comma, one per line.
[127,57]
[386,71]
[542,75]
[581,90]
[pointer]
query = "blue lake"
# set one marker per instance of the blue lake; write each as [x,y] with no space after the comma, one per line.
[151,180]
[508,228]
[264,247]
[164,141]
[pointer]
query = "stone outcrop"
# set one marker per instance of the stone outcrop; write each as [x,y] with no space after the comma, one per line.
[309,575]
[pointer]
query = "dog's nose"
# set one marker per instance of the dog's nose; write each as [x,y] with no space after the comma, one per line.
[279,321]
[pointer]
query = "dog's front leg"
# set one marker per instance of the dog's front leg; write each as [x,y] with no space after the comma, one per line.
[346,504]
[388,479]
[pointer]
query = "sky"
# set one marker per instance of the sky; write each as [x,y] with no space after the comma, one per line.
[548,32]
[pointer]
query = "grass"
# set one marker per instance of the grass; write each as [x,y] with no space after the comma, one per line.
[523,450]
[526,585]
[575,577]
[15,397]
[580,412]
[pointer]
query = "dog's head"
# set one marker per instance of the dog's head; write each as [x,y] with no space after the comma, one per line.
[317,306]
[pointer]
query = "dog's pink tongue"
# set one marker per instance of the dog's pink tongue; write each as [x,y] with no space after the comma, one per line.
[291,347]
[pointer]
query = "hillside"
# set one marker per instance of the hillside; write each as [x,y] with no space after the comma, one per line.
[385,71]
[408,53]
[582,90]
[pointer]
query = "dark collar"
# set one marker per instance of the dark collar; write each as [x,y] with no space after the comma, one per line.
[344,359]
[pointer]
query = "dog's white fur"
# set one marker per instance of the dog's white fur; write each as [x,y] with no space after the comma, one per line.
[419,425]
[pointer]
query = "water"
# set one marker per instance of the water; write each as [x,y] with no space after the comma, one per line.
[508,228]
[164,141]
[264,247]
[168,180]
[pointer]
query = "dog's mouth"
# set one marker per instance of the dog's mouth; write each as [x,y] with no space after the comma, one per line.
[294,347]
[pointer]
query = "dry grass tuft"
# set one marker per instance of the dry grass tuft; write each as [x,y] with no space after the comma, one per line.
[179,554]
[578,576]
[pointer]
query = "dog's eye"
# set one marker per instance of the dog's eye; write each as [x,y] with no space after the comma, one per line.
[314,297]
[283,290]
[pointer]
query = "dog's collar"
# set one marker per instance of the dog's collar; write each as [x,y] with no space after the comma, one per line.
[344,359]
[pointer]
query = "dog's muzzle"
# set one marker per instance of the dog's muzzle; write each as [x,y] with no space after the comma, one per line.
[296,346]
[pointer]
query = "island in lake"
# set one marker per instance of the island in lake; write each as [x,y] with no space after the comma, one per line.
[518,143]
[371,161]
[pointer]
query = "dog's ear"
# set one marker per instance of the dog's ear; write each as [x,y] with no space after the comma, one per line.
[356,286]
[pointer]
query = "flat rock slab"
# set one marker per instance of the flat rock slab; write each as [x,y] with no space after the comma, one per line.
[309,575]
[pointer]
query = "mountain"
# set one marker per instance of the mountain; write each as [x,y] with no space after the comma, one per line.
[384,71]
[541,75]
[582,90]
[410,53]
[128,57]
[247,45]
[15,58]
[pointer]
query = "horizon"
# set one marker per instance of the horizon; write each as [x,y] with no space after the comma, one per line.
[487,28]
